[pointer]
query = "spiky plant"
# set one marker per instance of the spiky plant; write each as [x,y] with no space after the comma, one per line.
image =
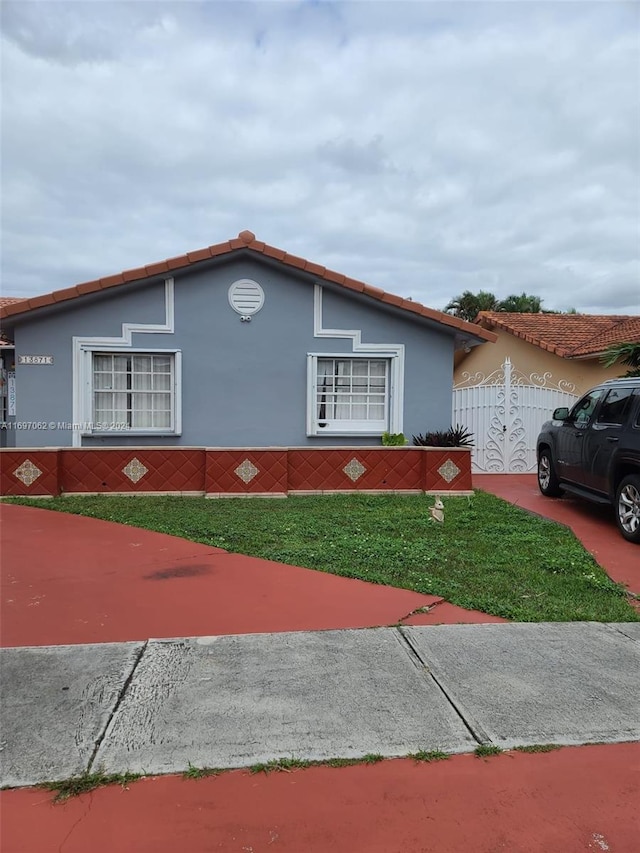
[457,436]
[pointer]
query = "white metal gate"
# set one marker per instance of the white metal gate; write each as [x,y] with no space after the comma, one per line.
[505,411]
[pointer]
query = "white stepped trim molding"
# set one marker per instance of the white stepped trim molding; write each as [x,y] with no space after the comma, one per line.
[81,365]
[395,353]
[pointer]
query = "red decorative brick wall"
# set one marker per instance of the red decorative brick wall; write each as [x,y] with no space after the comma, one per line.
[33,472]
[447,469]
[125,469]
[233,471]
[247,472]
[355,469]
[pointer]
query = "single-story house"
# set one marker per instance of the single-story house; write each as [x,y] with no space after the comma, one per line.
[238,345]
[505,392]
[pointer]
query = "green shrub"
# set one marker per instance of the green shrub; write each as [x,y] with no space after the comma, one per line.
[394,439]
[456,436]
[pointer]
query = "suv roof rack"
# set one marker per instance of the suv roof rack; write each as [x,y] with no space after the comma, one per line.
[634,380]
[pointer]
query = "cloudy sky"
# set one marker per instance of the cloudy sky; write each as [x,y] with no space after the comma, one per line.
[424,147]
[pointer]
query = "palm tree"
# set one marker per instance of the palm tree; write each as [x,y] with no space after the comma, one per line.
[523,304]
[627,353]
[468,305]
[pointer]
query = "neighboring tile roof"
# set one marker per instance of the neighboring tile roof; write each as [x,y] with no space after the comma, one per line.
[7,300]
[247,241]
[566,335]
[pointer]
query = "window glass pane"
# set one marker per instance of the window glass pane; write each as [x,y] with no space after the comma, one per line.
[351,389]
[142,363]
[342,409]
[161,414]
[584,408]
[121,363]
[103,403]
[103,381]
[158,401]
[142,408]
[614,407]
[325,368]
[162,382]
[120,413]
[135,390]
[142,382]
[103,362]
[110,408]
[121,381]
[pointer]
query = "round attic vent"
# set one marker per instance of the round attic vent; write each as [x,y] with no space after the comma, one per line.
[246,297]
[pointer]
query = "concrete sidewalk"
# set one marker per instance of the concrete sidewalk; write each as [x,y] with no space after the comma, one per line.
[232,701]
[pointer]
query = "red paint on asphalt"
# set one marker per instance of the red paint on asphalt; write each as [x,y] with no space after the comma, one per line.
[68,579]
[568,801]
[593,524]
[444,613]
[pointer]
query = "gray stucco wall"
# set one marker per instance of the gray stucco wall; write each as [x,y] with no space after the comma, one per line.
[243,384]
[428,356]
[44,392]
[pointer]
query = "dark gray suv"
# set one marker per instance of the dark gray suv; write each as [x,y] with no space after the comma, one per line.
[593,450]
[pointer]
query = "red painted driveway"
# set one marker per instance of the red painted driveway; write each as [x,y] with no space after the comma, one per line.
[572,800]
[67,579]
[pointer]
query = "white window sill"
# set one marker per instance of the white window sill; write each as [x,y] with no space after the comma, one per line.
[135,432]
[325,432]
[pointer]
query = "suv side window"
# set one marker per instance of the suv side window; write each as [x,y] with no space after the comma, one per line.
[584,408]
[615,405]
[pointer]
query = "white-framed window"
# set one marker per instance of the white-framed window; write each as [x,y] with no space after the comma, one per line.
[350,394]
[132,391]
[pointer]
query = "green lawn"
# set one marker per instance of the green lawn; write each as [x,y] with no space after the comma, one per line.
[488,555]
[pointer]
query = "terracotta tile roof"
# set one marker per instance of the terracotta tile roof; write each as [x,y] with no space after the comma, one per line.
[566,335]
[7,300]
[244,241]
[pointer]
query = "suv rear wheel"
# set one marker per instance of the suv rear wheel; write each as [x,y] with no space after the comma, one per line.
[547,480]
[628,507]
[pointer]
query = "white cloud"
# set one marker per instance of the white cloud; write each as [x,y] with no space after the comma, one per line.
[426,148]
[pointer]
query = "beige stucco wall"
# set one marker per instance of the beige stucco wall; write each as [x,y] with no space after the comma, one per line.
[529,359]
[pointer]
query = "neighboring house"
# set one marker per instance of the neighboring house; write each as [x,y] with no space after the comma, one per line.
[505,392]
[236,345]
[7,374]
